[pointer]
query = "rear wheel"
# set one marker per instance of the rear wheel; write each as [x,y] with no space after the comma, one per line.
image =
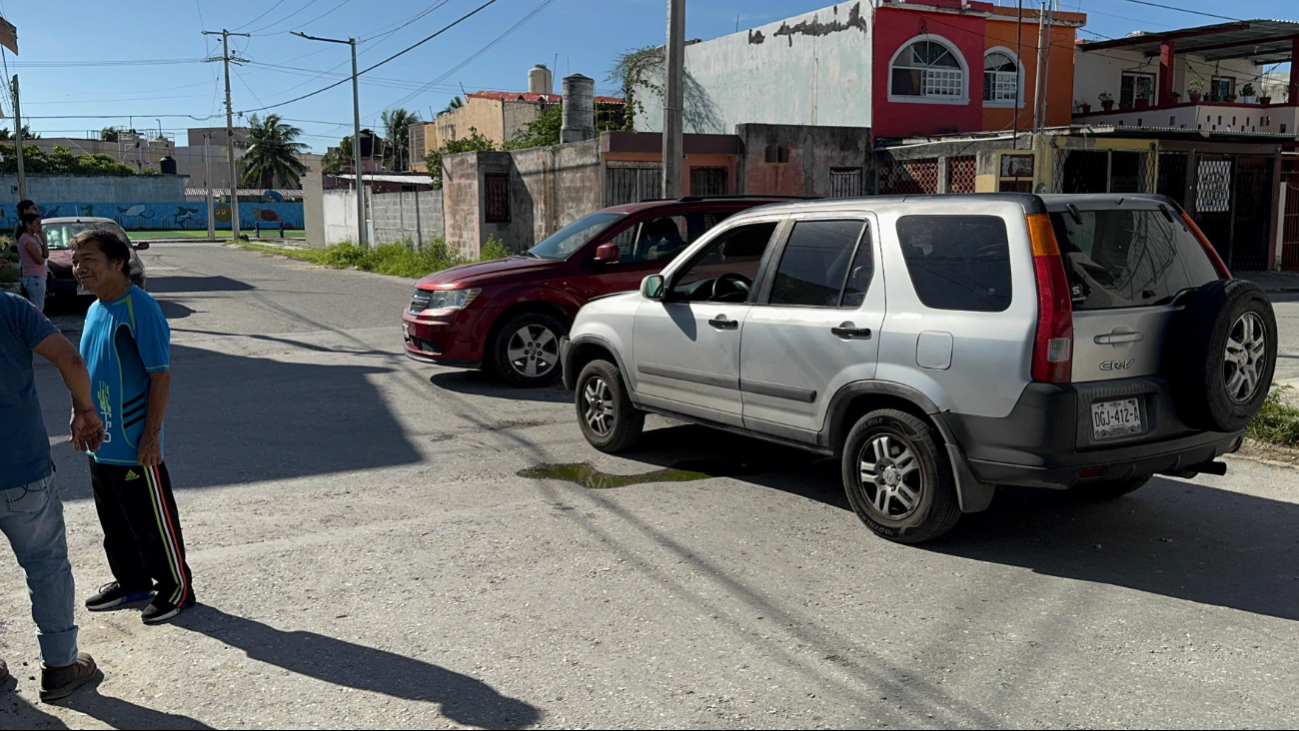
[609,420]
[526,349]
[1108,489]
[898,479]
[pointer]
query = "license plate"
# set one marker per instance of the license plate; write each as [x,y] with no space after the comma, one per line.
[1112,419]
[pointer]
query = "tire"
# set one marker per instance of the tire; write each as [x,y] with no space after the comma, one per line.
[1221,355]
[1108,489]
[877,444]
[525,350]
[609,420]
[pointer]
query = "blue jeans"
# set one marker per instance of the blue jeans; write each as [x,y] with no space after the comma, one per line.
[35,287]
[31,517]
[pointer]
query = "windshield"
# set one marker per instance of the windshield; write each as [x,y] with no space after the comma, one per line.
[572,237]
[60,235]
[1129,258]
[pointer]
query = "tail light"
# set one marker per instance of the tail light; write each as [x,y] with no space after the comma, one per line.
[1218,264]
[1053,346]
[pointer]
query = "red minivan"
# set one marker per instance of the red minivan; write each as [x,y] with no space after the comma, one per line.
[506,316]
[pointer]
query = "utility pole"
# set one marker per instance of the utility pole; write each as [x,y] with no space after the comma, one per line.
[18,143]
[1046,67]
[207,184]
[674,100]
[1041,67]
[356,136]
[230,127]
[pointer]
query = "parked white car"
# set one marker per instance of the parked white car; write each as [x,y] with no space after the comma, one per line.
[942,345]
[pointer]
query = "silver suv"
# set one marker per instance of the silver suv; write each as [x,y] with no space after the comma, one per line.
[942,345]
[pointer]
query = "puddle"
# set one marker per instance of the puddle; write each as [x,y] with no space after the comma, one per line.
[582,473]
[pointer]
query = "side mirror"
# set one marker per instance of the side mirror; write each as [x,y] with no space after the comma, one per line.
[607,253]
[653,287]
[140,246]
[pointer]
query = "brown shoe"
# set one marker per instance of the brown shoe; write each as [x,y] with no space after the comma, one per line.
[59,682]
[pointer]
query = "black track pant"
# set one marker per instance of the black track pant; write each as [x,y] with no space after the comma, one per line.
[142,529]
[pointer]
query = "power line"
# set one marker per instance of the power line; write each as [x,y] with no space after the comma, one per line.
[412,19]
[444,29]
[254,20]
[290,15]
[1182,10]
[133,62]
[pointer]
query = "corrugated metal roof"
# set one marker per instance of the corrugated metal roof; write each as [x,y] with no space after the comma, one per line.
[244,191]
[373,178]
[1262,41]
[522,96]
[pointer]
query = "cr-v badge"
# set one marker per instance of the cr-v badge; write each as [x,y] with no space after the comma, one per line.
[1118,365]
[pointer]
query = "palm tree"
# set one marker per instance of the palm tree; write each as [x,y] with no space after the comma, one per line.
[454,104]
[396,127]
[272,154]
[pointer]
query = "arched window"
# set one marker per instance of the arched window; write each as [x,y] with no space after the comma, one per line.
[930,69]
[1000,77]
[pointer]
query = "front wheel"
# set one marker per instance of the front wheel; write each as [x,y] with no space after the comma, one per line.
[609,420]
[898,478]
[526,349]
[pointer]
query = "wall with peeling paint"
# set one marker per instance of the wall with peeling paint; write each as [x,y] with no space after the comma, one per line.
[813,69]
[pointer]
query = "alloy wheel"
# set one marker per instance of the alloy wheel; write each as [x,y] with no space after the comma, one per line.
[597,406]
[891,479]
[533,351]
[1243,361]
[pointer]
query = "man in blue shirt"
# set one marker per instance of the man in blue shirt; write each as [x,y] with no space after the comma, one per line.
[31,513]
[126,344]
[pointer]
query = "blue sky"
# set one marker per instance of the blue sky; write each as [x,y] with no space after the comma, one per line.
[578,36]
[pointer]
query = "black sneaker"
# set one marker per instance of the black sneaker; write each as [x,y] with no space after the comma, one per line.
[112,596]
[160,610]
[59,682]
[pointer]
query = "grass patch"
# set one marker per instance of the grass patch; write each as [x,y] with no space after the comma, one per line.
[398,259]
[1277,422]
[202,234]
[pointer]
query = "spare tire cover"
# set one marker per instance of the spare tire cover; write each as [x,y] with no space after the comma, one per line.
[1220,355]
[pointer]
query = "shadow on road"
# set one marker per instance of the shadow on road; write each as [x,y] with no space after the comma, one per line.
[234,419]
[17,712]
[463,699]
[1177,539]
[478,383]
[175,284]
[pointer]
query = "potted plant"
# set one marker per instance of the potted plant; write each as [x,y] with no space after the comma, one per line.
[1196,90]
[1176,96]
[1230,98]
[1265,100]
[1247,94]
[1142,102]
[1082,106]
[1107,100]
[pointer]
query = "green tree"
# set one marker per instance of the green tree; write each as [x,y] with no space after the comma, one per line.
[454,104]
[6,133]
[396,127]
[540,132]
[272,155]
[637,69]
[109,134]
[101,164]
[476,141]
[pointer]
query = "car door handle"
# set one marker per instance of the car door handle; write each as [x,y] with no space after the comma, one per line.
[849,331]
[1119,337]
[721,323]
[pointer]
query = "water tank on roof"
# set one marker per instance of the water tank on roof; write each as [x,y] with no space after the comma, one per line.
[579,109]
[167,165]
[540,80]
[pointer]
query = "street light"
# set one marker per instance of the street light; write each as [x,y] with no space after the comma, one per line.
[356,135]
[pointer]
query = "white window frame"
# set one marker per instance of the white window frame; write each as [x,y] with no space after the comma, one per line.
[962,100]
[1019,79]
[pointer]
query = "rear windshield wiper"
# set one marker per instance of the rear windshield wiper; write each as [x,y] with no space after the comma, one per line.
[1172,299]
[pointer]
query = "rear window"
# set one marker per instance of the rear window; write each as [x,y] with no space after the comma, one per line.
[1131,258]
[957,262]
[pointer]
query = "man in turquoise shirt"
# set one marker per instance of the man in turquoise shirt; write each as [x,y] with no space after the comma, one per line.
[126,344]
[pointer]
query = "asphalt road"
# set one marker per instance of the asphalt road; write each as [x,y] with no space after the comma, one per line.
[367,557]
[1286,306]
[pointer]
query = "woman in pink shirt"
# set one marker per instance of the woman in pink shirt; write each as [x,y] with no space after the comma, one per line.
[32,251]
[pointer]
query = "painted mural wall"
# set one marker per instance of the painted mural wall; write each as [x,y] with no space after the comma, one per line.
[167,216]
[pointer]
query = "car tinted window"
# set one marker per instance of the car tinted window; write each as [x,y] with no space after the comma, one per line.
[815,261]
[860,273]
[60,235]
[957,262]
[655,239]
[1129,258]
[572,237]
[737,251]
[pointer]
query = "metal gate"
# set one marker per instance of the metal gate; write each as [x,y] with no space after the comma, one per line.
[905,177]
[961,172]
[1101,171]
[632,184]
[845,182]
[708,181]
[1290,212]
[1233,206]
[1171,180]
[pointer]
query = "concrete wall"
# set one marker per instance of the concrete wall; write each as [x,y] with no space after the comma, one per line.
[393,216]
[97,188]
[338,208]
[813,69]
[461,202]
[485,115]
[313,209]
[812,153]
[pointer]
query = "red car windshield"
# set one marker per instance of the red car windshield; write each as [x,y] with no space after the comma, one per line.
[564,242]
